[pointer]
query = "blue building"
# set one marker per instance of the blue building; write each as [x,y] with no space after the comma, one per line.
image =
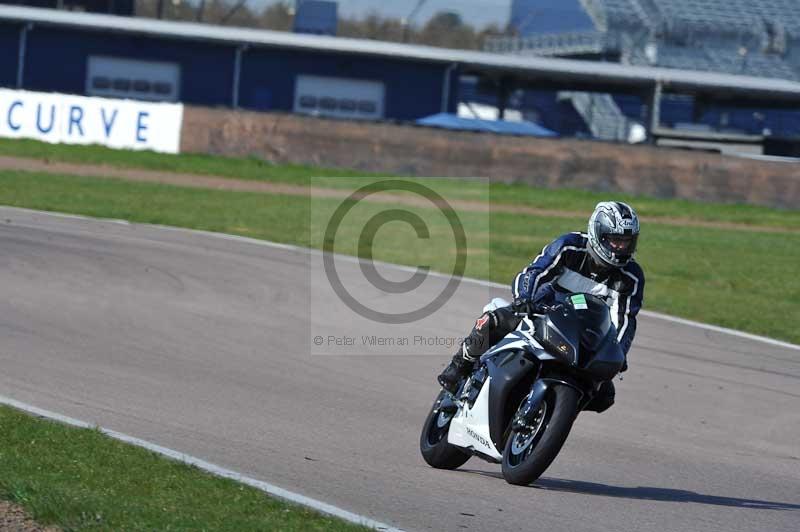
[318,17]
[102,55]
[530,17]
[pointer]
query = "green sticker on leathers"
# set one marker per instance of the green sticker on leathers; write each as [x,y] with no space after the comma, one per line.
[579,302]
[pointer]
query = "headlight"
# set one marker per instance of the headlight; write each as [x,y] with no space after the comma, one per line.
[558,344]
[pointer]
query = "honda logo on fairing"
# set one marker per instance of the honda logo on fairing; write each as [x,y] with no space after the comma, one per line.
[478,437]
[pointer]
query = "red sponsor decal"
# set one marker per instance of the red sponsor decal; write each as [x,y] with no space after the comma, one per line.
[483,320]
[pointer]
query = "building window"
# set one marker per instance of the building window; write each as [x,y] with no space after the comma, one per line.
[308,102]
[161,87]
[119,77]
[348,105]
[366,107]
[121,85]
[339,97]
[142,85]
[101,82]
[328,104]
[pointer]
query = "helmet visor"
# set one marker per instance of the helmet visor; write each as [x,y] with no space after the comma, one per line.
[621,245]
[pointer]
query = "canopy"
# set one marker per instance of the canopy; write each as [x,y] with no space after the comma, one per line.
[454,122]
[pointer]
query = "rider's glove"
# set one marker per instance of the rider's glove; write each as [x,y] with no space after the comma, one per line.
[522,305]
[527,306]
[624,366]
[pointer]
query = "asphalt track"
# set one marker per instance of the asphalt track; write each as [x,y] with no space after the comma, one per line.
[203,345]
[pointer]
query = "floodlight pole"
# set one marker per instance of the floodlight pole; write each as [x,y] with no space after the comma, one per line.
[410,18]
[201,10]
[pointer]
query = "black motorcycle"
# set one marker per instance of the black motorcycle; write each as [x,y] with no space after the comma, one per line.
[518,405]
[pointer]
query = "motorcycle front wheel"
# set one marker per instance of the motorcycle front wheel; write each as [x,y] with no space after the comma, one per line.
[529,452]
[433,443]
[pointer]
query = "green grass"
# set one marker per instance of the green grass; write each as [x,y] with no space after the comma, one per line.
[259,170]
[240,168]
[652,208]
[80,479]
[732,278]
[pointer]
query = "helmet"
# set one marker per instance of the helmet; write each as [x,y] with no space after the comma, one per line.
[613,232]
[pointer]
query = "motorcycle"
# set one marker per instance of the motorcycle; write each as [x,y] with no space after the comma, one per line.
[519,403]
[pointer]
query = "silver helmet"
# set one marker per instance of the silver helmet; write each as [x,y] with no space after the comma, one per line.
[613,233]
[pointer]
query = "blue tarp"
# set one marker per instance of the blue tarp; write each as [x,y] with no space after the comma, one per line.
[450,121]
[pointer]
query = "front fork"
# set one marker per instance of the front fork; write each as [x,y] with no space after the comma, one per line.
[526,414]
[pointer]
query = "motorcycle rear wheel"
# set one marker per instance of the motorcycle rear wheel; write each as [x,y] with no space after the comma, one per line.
[528,453]
[433,445]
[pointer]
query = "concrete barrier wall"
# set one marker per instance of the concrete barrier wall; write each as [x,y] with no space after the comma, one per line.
[409,150]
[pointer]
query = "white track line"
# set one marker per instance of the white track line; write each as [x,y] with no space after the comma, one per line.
[216,470]
[490,284]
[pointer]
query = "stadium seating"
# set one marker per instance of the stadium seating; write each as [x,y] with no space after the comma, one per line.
[726,15]
[618,13]
[708,15]
[573,43]
[747,37]
[751,37]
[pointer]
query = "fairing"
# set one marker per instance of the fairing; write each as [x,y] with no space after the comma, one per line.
[587,327]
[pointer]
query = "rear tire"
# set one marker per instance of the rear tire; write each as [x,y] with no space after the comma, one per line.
[528,454]
[433,444]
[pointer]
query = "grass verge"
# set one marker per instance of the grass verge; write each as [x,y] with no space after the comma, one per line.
[80,479]
[510,194]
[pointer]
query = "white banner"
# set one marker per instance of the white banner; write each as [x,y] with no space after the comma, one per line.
[61,118]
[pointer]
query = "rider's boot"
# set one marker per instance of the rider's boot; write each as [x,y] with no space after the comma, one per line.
[458,369]
[471,349]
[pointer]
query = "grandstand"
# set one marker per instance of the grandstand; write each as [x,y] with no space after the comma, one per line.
[758,38]
[630,98]
[754,37]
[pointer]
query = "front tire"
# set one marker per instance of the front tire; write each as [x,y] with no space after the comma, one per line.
[529,453]
[433,445]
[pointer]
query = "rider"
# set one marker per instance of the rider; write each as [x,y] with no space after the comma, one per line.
[599,262]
